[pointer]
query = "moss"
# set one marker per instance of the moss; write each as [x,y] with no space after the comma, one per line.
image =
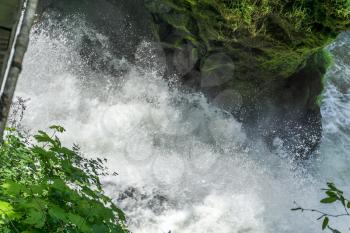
[276,48]
[280,34]
[324,60]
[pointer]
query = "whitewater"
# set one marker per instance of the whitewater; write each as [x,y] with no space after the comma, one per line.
[184,165]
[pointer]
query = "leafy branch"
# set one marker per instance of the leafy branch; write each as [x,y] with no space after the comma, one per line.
[45,187]
[333,195]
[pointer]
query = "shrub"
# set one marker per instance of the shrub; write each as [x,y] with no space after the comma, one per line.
[45,187]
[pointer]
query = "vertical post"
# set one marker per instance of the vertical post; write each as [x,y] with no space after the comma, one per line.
[14,67]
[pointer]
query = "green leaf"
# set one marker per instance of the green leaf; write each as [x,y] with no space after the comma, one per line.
[35,218]
[334,230]
[58,213]
[11,188]
[44,137]
[60,185]
[58,128]
[64,151]
[79,222]
[328,200]
[119,229]
[121,214]
[348,205]
[325,223]
[333,187]
[99,228]
[331,194]
[39,150]
[6,210]
[88,192]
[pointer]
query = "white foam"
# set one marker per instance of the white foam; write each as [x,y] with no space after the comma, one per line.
[186,161]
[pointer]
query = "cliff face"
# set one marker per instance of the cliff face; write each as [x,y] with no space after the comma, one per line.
[264,60]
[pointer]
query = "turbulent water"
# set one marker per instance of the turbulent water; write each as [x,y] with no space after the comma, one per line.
[184,166]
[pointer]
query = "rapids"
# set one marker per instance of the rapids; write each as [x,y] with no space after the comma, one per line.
[184,166]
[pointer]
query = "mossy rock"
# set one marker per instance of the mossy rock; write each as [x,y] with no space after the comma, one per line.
[275,50]
[276,36]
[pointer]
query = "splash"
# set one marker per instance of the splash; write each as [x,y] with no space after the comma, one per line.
[184,165]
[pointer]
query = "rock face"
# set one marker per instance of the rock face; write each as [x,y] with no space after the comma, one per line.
[264,61]
[124,23]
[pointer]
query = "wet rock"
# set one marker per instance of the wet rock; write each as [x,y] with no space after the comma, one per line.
[263,59]
[124,23]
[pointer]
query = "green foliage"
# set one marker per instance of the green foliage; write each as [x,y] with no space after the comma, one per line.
[265,38]
[46,187]
[333,196]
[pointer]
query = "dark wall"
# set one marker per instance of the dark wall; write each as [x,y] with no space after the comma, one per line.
[124,22]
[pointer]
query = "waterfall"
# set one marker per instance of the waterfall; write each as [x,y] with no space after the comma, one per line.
[183,164]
